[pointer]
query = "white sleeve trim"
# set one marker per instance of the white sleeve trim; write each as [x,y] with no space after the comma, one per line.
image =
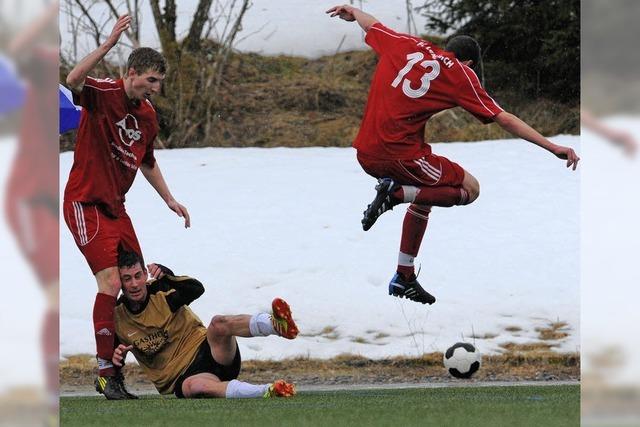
[474,89]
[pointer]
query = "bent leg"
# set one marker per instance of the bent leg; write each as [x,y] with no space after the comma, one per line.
[103,322]
[471,185]
[203,385]
[221,335]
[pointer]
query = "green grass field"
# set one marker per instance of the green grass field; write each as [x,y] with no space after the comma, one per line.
[468,406]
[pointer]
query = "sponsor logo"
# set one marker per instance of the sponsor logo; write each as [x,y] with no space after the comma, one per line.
[153,343]
[104,331]
[128,130]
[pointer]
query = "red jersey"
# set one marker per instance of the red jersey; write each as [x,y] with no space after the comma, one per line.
[115,137]
[414,80]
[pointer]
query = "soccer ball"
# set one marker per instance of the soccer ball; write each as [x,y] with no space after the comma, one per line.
[462,360]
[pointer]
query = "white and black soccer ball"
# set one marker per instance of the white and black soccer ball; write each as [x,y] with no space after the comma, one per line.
[462,360]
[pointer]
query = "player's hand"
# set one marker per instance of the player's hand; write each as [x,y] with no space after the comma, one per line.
[122,25]
[155,272]
[181,211]
[120,353]
[566,153]
[344,12]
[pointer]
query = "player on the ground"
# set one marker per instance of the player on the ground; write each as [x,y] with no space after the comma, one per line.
[175,350]
[115,137]
[414,80]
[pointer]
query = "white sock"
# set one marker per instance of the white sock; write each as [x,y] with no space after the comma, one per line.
[104,364]
[410,192]
[240,390]
[260,325]
[405,260]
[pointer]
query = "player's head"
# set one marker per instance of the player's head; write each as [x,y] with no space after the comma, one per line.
[133,276]
[466,48]
[146,69]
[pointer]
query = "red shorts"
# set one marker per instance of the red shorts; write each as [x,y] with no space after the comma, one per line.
[99,236]
[430,170]
[33,219]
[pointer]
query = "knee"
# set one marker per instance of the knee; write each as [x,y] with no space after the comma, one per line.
[472,187]
[109,282]
[219,327]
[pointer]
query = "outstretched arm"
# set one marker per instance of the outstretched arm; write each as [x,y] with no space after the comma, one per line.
[155,178]
[75,79]
[517,127]
[350,13]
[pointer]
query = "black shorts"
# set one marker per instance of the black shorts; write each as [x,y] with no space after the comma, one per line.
[204,362]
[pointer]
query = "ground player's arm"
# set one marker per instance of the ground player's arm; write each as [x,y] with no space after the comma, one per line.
[155,178]
[517,127]
[185,291]
[77,76]
[120,354]
[350,13]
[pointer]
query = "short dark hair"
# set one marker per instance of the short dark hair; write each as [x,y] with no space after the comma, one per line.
[464,48]
[144,59]
[129,259]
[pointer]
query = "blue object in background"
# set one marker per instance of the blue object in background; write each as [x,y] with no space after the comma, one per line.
[12,90]
[69,112]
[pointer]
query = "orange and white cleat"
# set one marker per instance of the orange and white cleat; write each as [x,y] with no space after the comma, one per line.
[280,388]
[282,320]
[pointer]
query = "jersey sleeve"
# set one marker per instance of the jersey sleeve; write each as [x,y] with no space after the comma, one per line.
[472,97]
[180,290]
[382,39]
[149,158]
[89,97]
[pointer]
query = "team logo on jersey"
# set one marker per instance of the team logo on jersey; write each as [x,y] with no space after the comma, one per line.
[151,344]
[128,130]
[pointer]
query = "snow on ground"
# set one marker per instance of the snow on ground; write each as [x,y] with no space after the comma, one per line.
[286,222]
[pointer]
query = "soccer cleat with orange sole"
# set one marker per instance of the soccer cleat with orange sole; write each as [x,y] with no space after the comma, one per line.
[280,388]
[282,320]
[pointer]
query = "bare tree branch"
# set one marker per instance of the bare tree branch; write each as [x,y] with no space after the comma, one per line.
[165,24]
[228,42]
[193,40]
[96,34]
[134,24]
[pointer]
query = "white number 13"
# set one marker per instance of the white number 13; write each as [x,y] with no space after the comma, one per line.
[414,58]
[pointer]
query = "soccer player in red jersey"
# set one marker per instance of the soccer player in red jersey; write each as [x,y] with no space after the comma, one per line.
[414,80]
[115,137]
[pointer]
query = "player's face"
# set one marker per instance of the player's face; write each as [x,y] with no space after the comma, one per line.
[134,282]
[145,85]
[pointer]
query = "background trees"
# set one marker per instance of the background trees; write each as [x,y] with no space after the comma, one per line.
[530,46]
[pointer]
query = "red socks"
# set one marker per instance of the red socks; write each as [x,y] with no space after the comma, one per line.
[432,196]
[441,196]
[104,328]
[413,229]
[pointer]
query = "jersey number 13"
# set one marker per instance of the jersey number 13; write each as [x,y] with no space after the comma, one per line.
[412,59]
